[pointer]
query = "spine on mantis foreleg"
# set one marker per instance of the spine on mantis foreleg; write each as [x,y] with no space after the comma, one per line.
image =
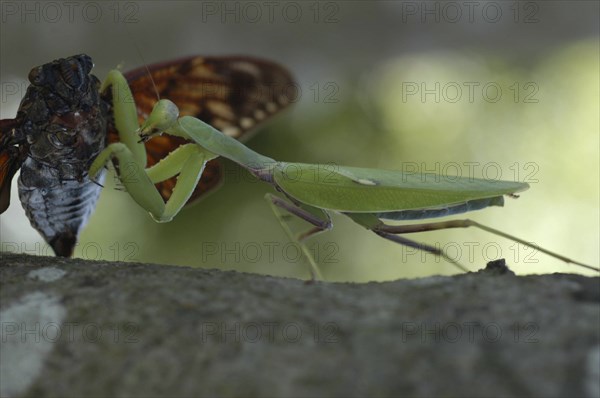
[213,140]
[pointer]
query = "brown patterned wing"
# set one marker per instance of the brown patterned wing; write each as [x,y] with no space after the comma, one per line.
[234,94]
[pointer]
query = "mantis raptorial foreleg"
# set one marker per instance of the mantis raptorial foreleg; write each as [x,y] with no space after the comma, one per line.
[141,186]
[125,115]
[187,161]
[171,165]
[319,218]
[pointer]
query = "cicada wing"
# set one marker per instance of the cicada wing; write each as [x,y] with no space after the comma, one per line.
[234,94]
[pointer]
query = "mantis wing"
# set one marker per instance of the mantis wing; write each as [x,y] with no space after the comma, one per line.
[389,194]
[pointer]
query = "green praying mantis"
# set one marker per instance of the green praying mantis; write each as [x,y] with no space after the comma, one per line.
[310,192]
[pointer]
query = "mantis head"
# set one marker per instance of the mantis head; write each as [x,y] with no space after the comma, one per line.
[163,116]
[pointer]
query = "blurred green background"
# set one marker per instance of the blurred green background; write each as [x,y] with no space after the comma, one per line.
[490,87]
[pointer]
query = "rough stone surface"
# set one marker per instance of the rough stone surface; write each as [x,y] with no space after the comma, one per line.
[79,328]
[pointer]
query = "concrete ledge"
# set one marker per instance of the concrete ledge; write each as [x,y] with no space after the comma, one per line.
[75,328]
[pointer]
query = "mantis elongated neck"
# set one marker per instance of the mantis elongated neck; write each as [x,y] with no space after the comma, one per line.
[213,140]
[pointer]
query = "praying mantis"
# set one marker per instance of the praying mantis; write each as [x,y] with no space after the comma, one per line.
[310,192]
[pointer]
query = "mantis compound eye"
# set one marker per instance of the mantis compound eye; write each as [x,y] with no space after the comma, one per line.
[163,116]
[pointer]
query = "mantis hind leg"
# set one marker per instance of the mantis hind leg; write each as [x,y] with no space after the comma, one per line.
[420,246]
[319,218]
[371,222]
[391,232]
[465,223]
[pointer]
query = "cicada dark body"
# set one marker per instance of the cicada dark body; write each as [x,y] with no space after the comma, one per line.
[59,130]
